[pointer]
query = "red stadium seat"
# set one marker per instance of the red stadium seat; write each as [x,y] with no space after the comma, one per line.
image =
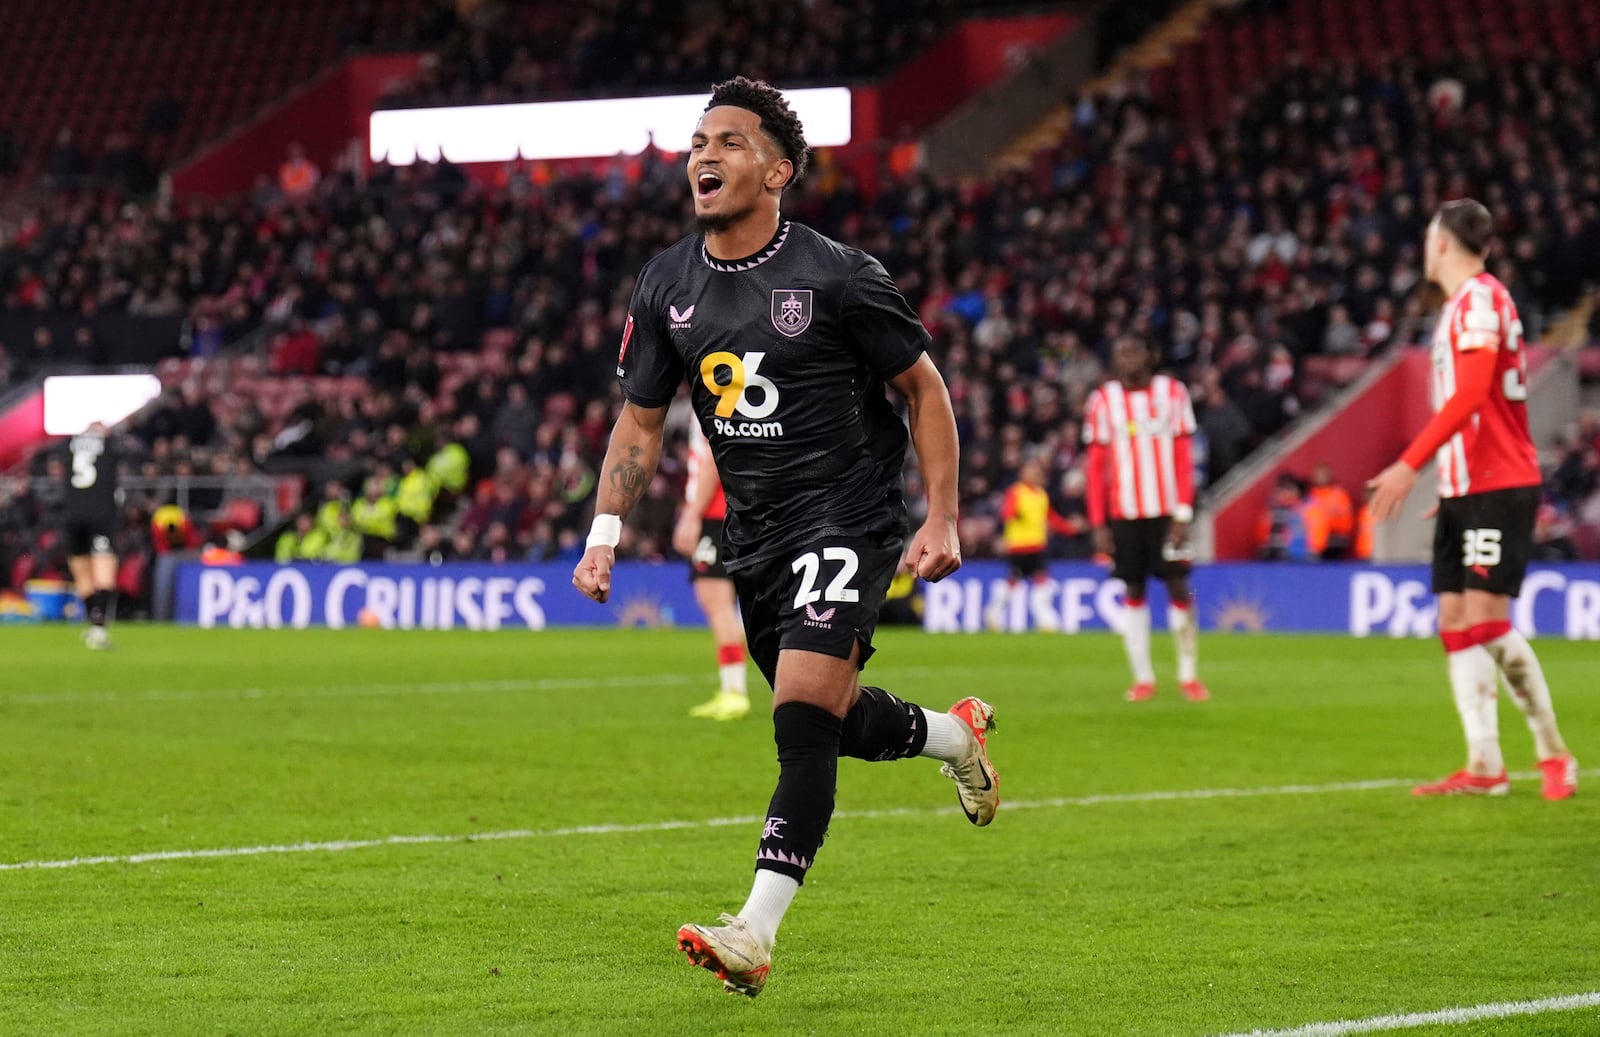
[21,569]
[242,514]
[131,575]
[89,58]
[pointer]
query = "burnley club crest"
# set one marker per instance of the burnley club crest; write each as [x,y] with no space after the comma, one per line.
[791,310]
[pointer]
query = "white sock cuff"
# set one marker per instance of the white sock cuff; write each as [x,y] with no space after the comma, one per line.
[732,676]
[1473,683]
[1525,678]
[770,897]
[1185,628]
[1136,641]
[947,737]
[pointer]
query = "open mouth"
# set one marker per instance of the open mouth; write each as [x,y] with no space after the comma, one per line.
[708,185]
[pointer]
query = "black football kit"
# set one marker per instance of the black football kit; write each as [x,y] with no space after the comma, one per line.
[787,353]
[91,500]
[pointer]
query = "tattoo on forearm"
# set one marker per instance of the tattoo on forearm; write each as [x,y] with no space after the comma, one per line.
[628,478]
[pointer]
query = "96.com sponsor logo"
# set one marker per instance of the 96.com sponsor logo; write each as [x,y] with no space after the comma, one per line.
[742,391]
[748,429]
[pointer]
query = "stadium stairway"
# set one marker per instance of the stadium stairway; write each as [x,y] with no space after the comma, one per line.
[1159,46]
[1571,329]
[965,140]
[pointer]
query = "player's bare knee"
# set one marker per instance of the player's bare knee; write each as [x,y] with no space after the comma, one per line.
[821,680]
[1452,612]
[1484,607]
[835,698]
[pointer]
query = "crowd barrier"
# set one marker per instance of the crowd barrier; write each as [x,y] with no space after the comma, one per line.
[1361,600]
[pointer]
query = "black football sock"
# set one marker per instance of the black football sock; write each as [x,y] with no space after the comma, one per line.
[97,608]
[802,805]
[882,727]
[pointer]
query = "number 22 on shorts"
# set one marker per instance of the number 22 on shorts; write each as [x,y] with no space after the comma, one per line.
[809,567]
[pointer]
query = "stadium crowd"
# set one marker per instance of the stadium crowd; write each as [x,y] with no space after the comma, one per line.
[468,327]
[489,52]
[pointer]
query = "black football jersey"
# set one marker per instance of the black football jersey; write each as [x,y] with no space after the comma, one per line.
[786,352]
[91,476]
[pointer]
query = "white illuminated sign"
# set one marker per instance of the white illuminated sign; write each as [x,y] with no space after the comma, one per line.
[73,402]
[576,129]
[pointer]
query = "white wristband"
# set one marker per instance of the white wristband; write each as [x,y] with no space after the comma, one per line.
[606,531]
[1183,513]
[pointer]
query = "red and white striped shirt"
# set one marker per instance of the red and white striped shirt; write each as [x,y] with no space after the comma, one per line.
[1493,449]
[700,455]
[1140,454]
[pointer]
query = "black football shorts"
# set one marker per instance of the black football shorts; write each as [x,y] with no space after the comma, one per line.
[89,536]
[1027,565]
[1139,551]
[1481,542]
[823,597]
[706,562]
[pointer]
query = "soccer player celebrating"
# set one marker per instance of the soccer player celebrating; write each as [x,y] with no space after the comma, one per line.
[1489,494]
[788,339]
[698,536]
[90,507]
[1138,427]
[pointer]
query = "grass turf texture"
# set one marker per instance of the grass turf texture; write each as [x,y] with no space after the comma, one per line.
[1182,917]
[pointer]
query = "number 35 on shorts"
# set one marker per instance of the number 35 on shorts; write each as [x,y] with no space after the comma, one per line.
[1480,547]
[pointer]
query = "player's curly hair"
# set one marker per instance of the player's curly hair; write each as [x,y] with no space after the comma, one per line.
[778,120]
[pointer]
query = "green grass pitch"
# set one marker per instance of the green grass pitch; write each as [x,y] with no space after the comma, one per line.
[1087,908]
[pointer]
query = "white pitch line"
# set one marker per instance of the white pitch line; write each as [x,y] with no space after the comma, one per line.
[1498,1010]
[340,845]
[344,690]
[402,688]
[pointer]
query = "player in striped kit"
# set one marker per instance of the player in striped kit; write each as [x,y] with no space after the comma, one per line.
[1489,493]
[698,537]
[1139,429]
